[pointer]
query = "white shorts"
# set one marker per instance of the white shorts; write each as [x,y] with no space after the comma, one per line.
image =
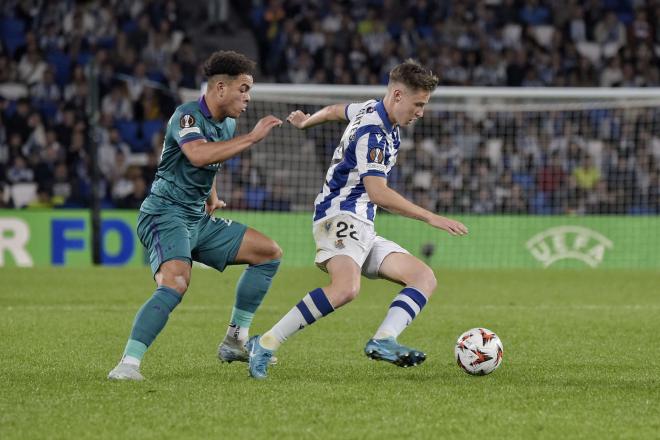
[346,235]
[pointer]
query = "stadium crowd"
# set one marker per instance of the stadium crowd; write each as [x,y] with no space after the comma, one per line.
[466,43]
[57,58]
[566,162]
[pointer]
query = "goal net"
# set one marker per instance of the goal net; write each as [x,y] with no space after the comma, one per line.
[504,160]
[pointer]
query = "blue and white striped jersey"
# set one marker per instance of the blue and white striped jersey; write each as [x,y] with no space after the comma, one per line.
[368,147]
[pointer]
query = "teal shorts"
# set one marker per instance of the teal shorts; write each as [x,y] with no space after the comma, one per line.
[209,240]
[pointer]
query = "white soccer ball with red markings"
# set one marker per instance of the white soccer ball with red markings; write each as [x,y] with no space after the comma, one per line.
[479,351]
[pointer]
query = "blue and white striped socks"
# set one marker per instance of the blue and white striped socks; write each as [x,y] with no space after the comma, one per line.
[312,307]
[405,307]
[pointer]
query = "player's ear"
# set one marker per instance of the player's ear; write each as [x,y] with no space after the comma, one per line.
[398,94]
[220,86]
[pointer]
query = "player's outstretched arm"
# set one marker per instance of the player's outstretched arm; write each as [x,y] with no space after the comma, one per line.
[385,197]
[302,120]
[201,153]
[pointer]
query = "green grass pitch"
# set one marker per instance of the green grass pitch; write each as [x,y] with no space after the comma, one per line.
[581,360]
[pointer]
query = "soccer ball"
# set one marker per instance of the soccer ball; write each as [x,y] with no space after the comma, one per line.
[479,351]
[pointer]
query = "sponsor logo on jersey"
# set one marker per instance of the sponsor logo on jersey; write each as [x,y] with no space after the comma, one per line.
[569,242]
[376,167]
[185,131]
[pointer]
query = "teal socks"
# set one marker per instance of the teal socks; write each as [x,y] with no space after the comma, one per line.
[150,320]
[250,291]
[153,315]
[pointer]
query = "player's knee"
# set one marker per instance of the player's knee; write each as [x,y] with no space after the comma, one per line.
[181,284]
[342,293]
[174,280]
[349,292]
[275,251]
[270,251]
[177,285]
[432,282]
[424,279]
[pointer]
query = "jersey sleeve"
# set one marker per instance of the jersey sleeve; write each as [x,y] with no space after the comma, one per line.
[370,153]
[187,127]
[352,109]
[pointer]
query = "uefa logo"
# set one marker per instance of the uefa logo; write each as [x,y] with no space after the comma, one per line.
[569,242]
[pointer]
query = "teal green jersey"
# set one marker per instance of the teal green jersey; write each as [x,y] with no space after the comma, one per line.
[180,185]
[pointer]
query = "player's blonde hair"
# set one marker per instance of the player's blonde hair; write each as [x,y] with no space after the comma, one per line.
[413,75]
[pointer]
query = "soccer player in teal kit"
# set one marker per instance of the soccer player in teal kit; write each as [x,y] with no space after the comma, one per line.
[176,222]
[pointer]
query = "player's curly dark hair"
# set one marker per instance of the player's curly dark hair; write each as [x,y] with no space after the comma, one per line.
[414,75]
[228,62]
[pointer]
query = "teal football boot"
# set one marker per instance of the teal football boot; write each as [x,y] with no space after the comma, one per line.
[389,350]
[260,358]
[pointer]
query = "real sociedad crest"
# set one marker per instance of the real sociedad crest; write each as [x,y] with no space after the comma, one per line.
[569,242]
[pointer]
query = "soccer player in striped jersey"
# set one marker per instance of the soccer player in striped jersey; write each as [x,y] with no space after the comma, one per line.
[346,241]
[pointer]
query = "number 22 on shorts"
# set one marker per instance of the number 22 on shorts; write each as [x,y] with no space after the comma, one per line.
[345,229]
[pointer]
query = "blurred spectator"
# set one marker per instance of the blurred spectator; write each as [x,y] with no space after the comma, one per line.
[277,200]
[586,174]
[138,193]
[19,171]
[621,180]
[17,123]
[112,156]
[117,103]
[484,203]
[8,73]
[148,107]
[61,185]
[32,67]
[44,198]
[125,184]
[46,90]
[5,197]
[576,27]
[610,31]
[218,14]
[517,203]
[612,75]
[550,180]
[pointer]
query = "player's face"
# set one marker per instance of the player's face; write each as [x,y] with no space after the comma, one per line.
[235,95]
[409,105]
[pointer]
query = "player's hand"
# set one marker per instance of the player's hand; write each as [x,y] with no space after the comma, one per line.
[264,126]
[298,118]
[452,226]
[212,205]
